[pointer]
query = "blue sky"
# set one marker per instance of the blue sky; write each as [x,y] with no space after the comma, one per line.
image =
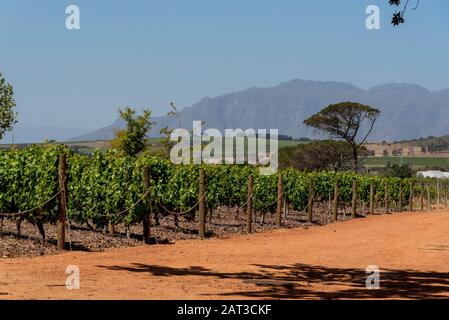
[146,53]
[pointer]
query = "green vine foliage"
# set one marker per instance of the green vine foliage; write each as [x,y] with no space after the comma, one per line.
[28,178]
[102,185]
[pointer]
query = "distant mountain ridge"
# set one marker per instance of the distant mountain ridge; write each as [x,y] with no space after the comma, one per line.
[26,133]
[408,111]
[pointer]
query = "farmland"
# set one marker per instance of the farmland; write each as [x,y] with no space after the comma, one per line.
[103,207]
[415,162]
[215,150]
[153,145]
[412,153]
[52,186]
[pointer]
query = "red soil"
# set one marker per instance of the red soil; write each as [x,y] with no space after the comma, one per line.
[411,250]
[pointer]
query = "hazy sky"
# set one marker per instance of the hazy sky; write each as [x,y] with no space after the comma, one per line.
[146,53]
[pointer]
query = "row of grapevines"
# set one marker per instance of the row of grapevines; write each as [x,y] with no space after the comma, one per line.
[28,178]
[102,185]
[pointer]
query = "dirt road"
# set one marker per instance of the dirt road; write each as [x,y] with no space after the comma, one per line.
[411,250]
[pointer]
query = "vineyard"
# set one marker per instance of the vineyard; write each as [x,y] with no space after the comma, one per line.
[38,184]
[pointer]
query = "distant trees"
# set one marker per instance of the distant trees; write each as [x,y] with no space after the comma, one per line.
[318,155]
[8,116]
[438,146]
[284,137]
[346,121]
[131,140]
[399,171]
[433,144]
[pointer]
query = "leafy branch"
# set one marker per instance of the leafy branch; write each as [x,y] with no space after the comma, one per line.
[398,16]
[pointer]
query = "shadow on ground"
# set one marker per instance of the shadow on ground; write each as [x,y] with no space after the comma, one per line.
[300,281]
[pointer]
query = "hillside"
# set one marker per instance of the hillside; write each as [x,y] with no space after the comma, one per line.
[408,111]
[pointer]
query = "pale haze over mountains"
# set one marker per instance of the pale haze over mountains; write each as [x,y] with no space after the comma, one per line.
[29,133]
[407,112]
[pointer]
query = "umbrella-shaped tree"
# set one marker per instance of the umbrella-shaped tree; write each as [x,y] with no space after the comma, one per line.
[346,121]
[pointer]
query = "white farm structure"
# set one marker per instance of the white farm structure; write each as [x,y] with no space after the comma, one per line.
[433,174]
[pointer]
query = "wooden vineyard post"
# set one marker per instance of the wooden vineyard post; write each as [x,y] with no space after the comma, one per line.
[311,196]
[387,198]
[147,214]
[354,199]
[445,196]
[410,200]
[285,208]
[429,199]
[279,202]
[422,197]
[438,193]
[62,203]
[336,195]
[202,204]
[400,196]
[371,197]
[249,205]
[443,189]
[111,227]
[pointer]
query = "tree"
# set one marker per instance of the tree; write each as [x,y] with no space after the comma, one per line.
[399,171]
[166,143]
[131,141]
[8,117]
[318,155]
[344,121]
[398,16]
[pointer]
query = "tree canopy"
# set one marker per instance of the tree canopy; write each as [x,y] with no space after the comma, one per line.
[8,116]
[346,121]
[131,141]
[318,155]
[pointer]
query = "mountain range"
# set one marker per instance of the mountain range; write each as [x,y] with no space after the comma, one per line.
[408,111]
[28,133]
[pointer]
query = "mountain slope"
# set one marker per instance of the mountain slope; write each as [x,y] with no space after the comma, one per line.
[26,133]
[408,111]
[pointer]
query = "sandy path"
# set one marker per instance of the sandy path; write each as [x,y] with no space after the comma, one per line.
[411,249]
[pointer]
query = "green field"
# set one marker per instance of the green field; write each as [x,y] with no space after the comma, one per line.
[285,143]
[414,161]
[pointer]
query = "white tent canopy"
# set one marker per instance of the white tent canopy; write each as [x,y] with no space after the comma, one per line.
[433,174]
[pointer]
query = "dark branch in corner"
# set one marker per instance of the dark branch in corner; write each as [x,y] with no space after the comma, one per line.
[398,16]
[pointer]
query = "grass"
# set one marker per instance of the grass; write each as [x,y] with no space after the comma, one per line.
[288,143]
[414,161]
